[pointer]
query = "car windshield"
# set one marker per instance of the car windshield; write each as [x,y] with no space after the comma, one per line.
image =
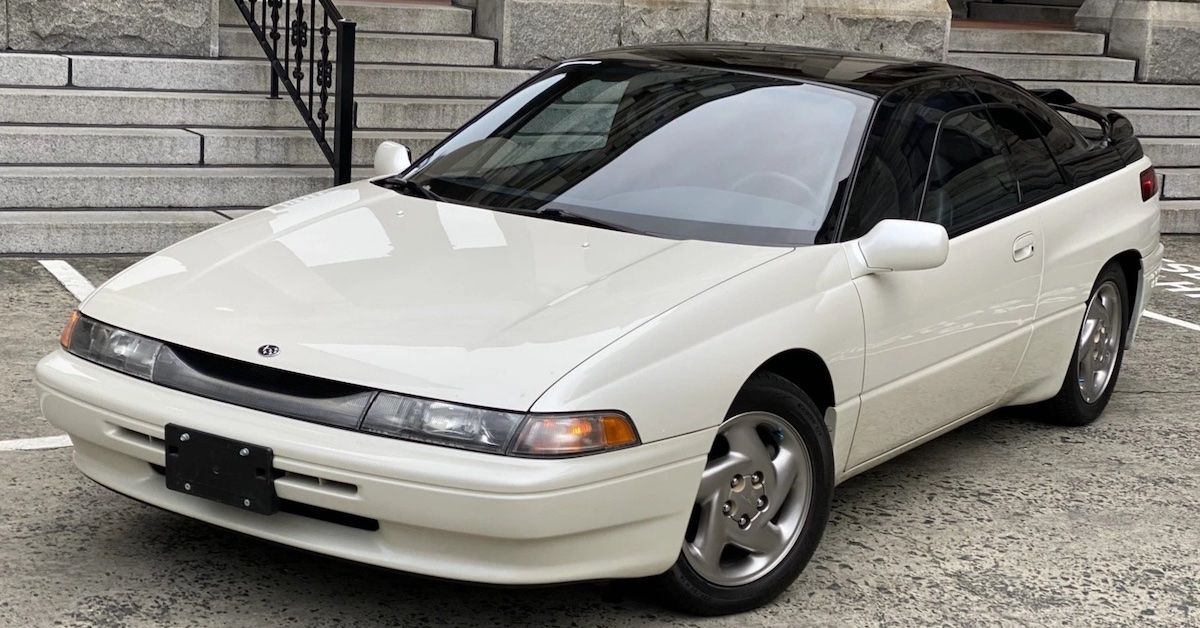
[669,150]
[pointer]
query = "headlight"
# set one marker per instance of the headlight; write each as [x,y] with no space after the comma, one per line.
[441,423]
[115,348]
[494,431]
[389,414]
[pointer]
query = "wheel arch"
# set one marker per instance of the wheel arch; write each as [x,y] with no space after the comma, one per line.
[807,371]
[1130,263]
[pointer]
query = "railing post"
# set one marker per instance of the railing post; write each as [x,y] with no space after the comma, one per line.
[343,129]
[274,84]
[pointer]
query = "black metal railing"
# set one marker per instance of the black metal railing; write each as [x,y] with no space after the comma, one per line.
[296,41]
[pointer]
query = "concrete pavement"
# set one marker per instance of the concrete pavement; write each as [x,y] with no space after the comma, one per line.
[1004,521]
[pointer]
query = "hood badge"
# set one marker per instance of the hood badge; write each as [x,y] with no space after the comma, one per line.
[268,351]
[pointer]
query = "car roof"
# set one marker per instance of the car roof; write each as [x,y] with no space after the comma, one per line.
[871,74]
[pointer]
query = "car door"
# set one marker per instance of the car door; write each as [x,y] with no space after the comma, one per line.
[943,344]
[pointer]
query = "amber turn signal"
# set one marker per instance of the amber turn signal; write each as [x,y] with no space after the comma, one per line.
[65,337]
[572,435]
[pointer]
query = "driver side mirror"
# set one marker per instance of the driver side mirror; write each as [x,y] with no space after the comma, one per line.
[391,158]
[896,245]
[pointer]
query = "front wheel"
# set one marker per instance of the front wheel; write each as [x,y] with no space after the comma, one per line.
[1099,350]
[762,504]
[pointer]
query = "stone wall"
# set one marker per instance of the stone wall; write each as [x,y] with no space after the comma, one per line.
[535,33]
[1162,35]
[141,27]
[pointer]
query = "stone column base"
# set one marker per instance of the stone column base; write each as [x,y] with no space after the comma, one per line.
[141,27]
[1163,36]
[536,33]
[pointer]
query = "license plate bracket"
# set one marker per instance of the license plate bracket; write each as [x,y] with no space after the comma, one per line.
[221,469]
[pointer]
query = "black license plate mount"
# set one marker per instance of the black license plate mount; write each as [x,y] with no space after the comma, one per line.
[221,469]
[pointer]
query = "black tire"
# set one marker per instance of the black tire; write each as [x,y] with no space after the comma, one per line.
[684,589]
[1069,407]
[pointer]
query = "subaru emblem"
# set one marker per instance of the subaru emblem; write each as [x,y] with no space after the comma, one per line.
[268,351]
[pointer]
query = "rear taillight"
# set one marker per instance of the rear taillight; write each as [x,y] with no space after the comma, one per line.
[1149,184]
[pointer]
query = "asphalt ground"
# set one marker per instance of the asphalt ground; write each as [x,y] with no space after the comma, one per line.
[1005,521]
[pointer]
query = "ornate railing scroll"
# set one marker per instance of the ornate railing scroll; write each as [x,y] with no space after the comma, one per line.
[295,36]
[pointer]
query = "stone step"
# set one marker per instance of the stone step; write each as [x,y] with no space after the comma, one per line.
[297,147]
[1179,152]
[1025,41]
[1021,12]
[237,75]
[89,145]
[182,109]
[383,48]
[70,187]
[1180,183]
[417,113]
[1046,67]
[19,69]
[380,16]
[1164,123]
[99,231]
[1182,217]
[1127,95]
[39,145]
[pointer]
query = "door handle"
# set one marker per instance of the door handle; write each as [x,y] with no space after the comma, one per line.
[1023,247]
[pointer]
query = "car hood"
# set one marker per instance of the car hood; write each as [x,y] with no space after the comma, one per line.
[362,285]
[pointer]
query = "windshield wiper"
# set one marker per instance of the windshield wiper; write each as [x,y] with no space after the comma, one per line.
[408,187]
[563,214]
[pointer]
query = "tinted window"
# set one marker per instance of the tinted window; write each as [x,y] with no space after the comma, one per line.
[1063,139]
[896,159]
[675,151]
[970,181]
[1036,170]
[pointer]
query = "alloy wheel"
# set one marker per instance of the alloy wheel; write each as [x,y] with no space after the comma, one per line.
[753,500]
[1099,342]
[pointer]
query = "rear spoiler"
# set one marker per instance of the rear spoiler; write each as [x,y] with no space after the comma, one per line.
[1116,127]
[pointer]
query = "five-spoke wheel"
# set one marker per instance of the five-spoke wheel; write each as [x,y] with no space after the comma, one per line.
[753,500]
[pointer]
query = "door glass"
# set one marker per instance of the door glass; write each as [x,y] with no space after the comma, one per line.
[970,181]
[895,161]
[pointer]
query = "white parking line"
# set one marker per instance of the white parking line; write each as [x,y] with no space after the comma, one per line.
[70,278]
[30,444]
[1174,321]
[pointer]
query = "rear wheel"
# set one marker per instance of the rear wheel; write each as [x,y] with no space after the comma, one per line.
[1099,350]
[762,504]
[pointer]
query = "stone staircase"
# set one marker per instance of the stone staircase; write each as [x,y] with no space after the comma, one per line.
[1166,117]
[108,154]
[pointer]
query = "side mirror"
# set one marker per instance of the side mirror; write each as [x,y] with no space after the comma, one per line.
[392,157]
[895,245]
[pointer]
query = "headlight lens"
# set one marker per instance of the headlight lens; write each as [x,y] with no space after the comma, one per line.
[480,429]
[441,423]
[115,348]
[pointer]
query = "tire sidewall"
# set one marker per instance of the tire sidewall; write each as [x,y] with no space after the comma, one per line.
[774,394]
[1090,411]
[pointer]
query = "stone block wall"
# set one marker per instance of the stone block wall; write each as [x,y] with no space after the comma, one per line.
[535,33]
[141,27]
[1162,35]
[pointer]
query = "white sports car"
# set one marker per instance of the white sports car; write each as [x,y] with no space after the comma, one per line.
[636,320]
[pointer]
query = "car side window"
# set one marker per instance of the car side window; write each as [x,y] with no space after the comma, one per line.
[1037,173]
[895,161]
[1063,139]
[970,180]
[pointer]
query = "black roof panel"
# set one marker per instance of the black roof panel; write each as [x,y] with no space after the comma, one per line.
[855,70]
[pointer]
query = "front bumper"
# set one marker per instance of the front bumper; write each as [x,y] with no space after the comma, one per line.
[440,512]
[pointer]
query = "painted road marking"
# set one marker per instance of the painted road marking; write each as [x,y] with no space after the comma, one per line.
[70,278]
[31,444]
[1174,321]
